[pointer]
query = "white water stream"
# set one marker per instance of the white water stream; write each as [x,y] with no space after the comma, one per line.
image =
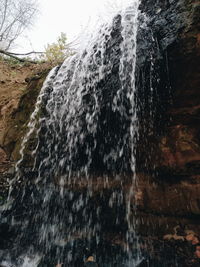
[86,126]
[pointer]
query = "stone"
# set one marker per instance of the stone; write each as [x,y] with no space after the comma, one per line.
[169,150]
[197,252]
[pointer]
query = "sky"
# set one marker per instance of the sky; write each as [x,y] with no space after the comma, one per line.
[72,17]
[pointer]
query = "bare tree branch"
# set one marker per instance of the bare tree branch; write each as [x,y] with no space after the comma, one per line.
[26,54]
[15,17]
[4,14]
[17,58]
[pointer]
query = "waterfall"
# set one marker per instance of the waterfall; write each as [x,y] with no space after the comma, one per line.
[74,202]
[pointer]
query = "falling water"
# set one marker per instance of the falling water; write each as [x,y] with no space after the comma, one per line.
[74,201]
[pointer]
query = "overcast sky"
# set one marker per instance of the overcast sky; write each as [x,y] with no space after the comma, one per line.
[69,16]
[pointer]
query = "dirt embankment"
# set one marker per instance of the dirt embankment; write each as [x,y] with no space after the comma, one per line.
[17,82]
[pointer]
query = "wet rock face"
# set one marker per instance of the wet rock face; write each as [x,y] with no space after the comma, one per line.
[183,131]
[19,118]
[13,125]
[169,149]
[168,75]
[176,29]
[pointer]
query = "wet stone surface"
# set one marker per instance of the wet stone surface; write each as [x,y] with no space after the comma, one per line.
[168,155]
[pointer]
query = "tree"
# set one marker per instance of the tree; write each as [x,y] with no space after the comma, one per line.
[15,17]
[56,53]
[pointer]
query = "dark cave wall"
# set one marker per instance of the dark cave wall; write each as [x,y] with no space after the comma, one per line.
[169,146]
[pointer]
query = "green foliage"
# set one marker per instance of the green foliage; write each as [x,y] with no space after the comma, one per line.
[9,60]
[56,53]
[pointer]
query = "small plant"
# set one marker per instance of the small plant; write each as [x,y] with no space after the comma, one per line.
[13,74]
[56,53]
[11,61]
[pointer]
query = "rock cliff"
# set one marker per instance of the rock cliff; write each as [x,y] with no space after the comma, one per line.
[168,154]
[20,85]
[172,168]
